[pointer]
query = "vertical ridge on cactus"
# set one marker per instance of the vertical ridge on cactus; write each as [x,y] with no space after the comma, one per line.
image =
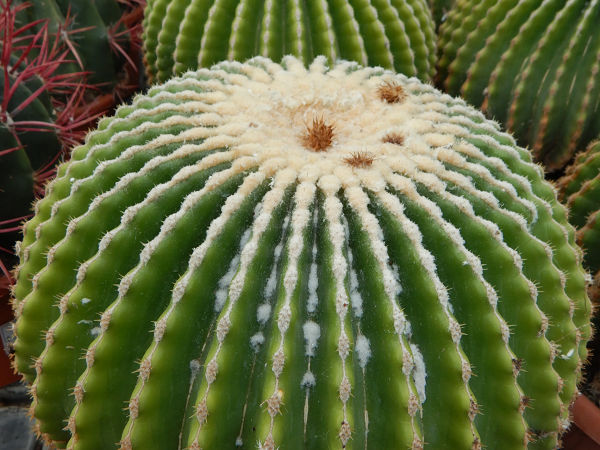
[186,34]
[411,280]
[531,65]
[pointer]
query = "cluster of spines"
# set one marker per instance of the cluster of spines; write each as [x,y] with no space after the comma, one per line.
[189,188]
[186,34]
[531,65]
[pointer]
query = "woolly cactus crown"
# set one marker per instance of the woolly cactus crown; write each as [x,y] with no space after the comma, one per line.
[261,253]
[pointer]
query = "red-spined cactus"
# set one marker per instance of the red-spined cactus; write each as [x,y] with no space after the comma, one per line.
[60,70]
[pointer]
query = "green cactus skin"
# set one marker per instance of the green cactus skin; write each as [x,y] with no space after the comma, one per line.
[580,189]
[532,65]
[186,34]
[268,255]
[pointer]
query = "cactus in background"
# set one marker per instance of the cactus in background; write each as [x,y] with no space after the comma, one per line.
[580,190]
[440,9]
[318,258]
[54,70]
[101,37]
[186,34]
[532,65]
[35,128]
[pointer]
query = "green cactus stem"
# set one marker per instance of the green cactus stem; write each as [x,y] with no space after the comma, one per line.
[532,65]
[268,255]
[186,34]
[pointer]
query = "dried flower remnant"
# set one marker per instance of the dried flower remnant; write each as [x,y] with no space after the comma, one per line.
[360,159]
[318,136]
[393,138]
[391,92]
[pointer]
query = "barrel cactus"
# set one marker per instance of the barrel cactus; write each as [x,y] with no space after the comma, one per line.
[580,189]
[186,34]
[270,255]
[532,65]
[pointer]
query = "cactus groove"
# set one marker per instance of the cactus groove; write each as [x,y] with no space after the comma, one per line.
[268,255]
[532,65]
[186,34]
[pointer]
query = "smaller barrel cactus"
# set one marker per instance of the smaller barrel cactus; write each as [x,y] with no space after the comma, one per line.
[187,34]
[532,65]
[268,255]
[580,189]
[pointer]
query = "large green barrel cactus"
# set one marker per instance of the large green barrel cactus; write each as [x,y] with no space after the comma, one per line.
[186,34]
[268,255]
[580,189]
[533,65]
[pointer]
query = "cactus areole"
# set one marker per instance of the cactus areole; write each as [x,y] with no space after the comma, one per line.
[268,256]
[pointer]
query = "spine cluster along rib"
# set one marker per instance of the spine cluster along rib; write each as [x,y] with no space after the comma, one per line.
[265,255]
[186,34]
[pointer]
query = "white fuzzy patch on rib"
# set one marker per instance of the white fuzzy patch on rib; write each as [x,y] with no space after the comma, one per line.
[363,350]
[223,285]
[308,380]
[272,280]
[355,297]
[312,332]
[263,313]
[256,341]
[419,374]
